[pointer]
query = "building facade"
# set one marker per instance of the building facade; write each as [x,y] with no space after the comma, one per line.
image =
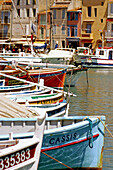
[5,19]
[59,24]
[73,28]
[44,26]
[94,15]
[109,30]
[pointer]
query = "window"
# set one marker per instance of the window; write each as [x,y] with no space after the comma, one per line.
[54,29]
[54,14]
[43,20]
[102,3]
[68,31]
[2,17]
[95,11]
[101,52]
[5,17]
[101,20]
[74,31]
[5,31]
[27,12]
[111,9]
[42,33]
[27,2]
[73,16]
[18,11]
[76,16]
[88,28]
[34,2]
[63,13]
[34,12]
[89,11]
[68,16]
[18,2]
[101,34]
[63,29]
[111,30]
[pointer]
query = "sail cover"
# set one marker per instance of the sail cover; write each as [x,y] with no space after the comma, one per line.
[11,109]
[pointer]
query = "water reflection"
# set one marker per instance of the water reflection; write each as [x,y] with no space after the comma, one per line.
[96,98]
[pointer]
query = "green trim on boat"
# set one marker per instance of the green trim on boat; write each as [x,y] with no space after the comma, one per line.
[49,95]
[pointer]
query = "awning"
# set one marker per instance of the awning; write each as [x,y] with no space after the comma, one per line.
[73,39]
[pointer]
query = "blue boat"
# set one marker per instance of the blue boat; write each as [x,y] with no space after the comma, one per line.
[71,145]
[69,142]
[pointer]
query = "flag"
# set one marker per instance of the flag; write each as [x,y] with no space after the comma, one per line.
[33,27]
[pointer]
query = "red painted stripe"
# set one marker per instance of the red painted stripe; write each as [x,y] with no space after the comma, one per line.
[68,144]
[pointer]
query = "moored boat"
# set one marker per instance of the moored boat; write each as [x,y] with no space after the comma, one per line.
[102,59]
[73,143]
[53,110]
[53,77]
[37,99]
[16,88]
[21,153]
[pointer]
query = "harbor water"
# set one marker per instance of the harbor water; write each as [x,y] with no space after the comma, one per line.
[94,92]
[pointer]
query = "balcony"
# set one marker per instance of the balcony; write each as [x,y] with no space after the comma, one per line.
[88,36]
[108,34]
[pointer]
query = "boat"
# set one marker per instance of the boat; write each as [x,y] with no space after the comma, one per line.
[82,52]
[21,56]
[21,153]
[103,58]
[27,92]
[53,110]
[59,56]
[36,99]
[53,77]
[16,88]
[73,143]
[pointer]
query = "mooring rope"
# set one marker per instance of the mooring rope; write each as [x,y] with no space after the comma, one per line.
[102,123]
[105,127]
[57,160]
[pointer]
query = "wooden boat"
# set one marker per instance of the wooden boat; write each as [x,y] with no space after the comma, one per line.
[27,92]
[37,99]
[21,153]
[73,142]
[52,77]
[53,110]
[103,58]
[16,88]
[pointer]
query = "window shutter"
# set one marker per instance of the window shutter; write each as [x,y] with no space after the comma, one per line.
[31,12]
[25,13]
[21,13]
